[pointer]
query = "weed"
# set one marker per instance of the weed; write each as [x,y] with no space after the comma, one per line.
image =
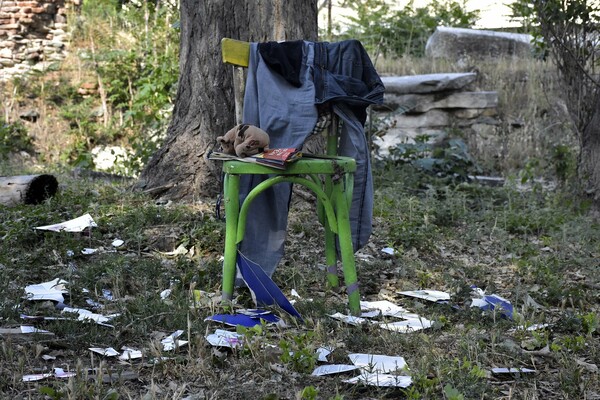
[299,352]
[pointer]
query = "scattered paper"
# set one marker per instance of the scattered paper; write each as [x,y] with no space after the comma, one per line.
[349,319]
[389,250]
[223,338]
[407,326]
[534,327]
[130,354]
[117,243]
[61,373]
[429,295]
[58,373]
[333,369]
[381,380]
[87,251]
[51,290]
[499,371]
[385,308]
[377,363]
[37,377]
[74,225]
[87,315]
[171,343]
[323,352]
[107,352]
[32,329]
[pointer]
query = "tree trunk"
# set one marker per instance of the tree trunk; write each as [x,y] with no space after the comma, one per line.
[589,157]
[204,106]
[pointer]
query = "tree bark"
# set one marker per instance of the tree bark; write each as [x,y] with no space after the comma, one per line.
[589,157]
[204,105]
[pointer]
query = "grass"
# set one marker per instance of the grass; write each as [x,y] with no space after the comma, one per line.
[537,246]
[524,245]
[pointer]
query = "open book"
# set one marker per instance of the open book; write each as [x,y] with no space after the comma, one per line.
[276,158]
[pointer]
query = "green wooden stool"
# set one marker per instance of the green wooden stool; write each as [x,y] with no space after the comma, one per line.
[329,177]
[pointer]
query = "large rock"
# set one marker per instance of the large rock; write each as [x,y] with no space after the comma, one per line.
[426,102]
[428,83]
[460,43]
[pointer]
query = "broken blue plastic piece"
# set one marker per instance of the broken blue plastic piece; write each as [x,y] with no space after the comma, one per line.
[264,291]
[499,303]
[241,319]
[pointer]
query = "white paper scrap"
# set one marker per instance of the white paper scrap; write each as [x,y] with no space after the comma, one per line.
[61,373]
[87,251]
[512,371]
[323,352]
[32,329]
[87,315]
[349,319]
[386,309]
[533,327]
[223,338]
[108,352]
[407,326]
[389,250]
[429,295]
[78,224]
[331,369]
[130,354]
[377,363]
[36,377]
[170,343]
[381,380]
[51,290]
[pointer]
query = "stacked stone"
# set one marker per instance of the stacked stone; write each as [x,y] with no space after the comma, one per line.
[434,104]
[32,34]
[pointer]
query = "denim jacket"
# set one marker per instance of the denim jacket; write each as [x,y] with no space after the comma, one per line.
[339,73]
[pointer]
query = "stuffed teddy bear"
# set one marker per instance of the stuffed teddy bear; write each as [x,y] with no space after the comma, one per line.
[244,140]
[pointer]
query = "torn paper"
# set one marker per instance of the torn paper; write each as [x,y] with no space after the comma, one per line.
[407,326]
[386,309]
[429,295]
[171,343]
[377,363]
[86,315]
[74,225]
[223,338]
[331,369]
[107,352]
[130,354]
[349,319]
[381,380]
[323,352]
[500,371]
[52,290]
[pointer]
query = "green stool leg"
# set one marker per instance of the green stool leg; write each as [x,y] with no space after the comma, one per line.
[330,250]
[331,258]
[232,208]
[346,249]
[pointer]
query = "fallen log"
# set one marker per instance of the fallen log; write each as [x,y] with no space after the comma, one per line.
[27,189]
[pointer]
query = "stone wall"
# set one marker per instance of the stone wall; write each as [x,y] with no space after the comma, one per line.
[436,105]
[32,34]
